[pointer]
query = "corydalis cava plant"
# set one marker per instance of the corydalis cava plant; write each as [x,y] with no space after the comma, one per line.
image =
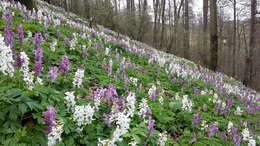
[53,73]
[8,16]
[9,36]
[38,61]
[49,118]
[20,33]
[70,100]
[83,115]
[122,120]
[55,134]
[64,65]
[27,75]
[79,75]
[6,59]
[55,128]
[37,40]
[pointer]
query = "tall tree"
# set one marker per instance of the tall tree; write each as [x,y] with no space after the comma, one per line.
[205,30]
[143,20]
[177,10]
[128,5]
[163,24]
[252,45]
[186,30]
[116,6]
[234,37]
[155,29]
[213,35]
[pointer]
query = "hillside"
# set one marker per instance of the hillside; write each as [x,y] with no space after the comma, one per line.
[64,83]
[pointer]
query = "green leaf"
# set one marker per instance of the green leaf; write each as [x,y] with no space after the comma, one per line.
[175,105]
[34,106]
[22,108]
[13,112]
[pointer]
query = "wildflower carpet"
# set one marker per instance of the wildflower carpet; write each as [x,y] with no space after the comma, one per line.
[63,83]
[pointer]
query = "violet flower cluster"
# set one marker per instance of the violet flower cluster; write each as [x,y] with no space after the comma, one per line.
[9,36]
[38,61]
[196,118]
[8,16]
[49,118]
[64,65]
[37,40]
[53,73]
[20,33]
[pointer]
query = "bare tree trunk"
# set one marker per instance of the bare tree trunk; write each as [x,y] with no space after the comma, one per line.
[252,45]
[186,30]
[163,24]
[132,5]
[142,20]
[213,35]
[177,11]
[116,6]
[156,5]
[234,37]
[205,31]
[128,5]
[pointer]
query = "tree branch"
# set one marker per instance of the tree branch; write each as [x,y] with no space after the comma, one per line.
[179,10]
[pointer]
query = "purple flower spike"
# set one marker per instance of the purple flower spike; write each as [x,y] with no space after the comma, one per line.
[49,118]
[20,33]
[67,42]
[37,40]
[9,36]
[148,112]
[153,95]
[196,118]
[18,61]
[237,140]
[58,34]
[213,129]
[64,65]
[38,61]
[121,103]
[223,136]
[46,36]
[229,102]
[144,143]
[194,138]
[53,73]
[8,17]
[151,124]
[111,92]
[234,131]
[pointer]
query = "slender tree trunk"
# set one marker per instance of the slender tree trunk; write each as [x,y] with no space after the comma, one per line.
[163,24]
[65,5]
[177,11]
[205,31]
[213,35]
[142,20]
[156,5]
[116,6]
[128,5]
[252,45]
[186,30]
[234,37]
